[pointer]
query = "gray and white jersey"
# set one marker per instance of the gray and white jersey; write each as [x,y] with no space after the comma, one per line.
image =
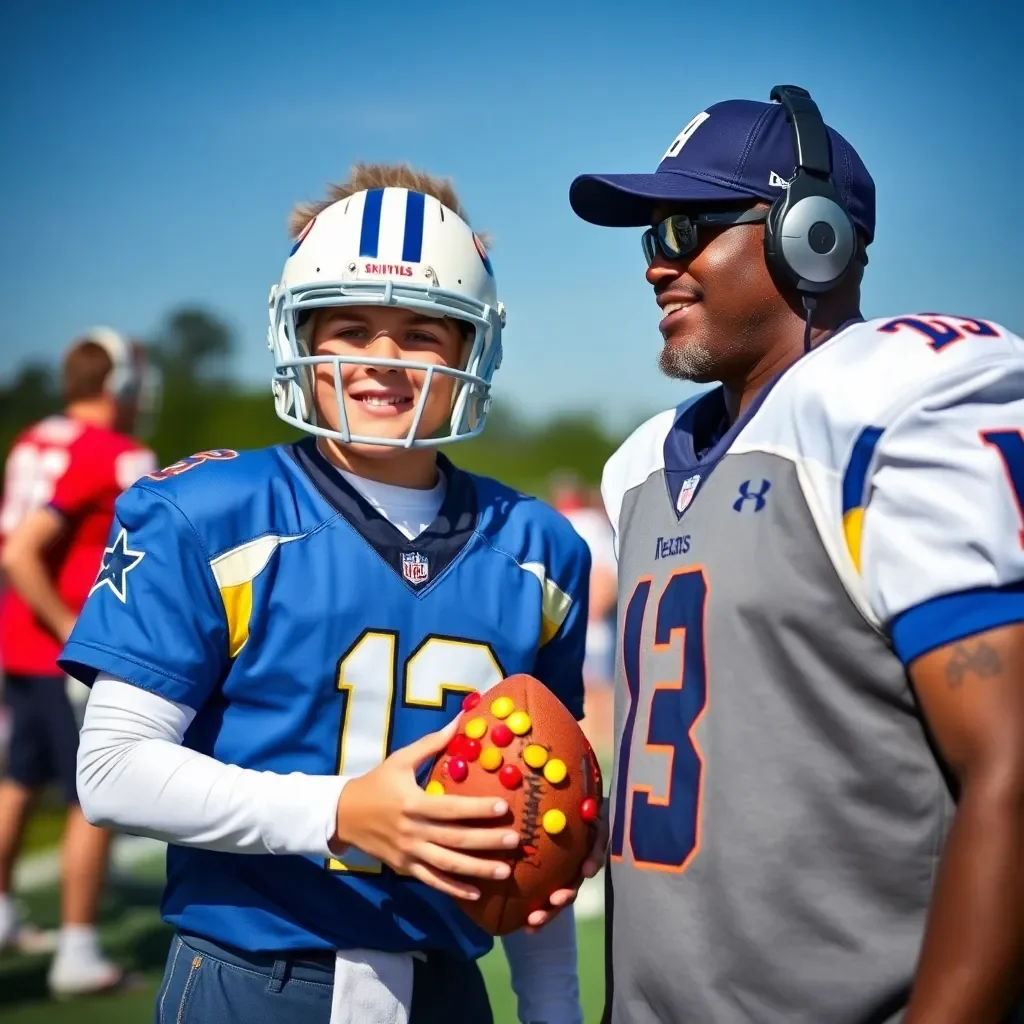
[777,811]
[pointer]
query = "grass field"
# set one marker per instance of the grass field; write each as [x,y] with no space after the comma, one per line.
[134,935]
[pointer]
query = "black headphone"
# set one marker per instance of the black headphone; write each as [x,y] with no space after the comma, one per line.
[809,237]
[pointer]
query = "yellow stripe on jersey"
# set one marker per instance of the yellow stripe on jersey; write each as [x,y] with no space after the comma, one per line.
[234,572]
[238,608]
[853,526]
[855,481]
[554,602]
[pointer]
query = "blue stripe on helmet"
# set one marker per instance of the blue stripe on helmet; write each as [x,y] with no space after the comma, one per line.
[483,255]
[412,242]
[369,234]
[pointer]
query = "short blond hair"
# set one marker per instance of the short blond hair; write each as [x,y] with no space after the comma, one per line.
[363,177]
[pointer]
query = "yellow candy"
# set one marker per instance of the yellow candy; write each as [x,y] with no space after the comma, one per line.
[434,788]
[490,759]
[502,707]
[555,771]
[476,728]
[553,822]
[535,755]
[519,723]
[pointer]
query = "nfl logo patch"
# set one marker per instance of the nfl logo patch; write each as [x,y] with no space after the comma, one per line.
[686,492]
[415,567]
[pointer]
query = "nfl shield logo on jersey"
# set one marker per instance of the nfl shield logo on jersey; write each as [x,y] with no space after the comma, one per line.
[415,567]
[686,492]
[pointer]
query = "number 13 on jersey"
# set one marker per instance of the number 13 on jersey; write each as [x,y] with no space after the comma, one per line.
[660,771]
[375,688]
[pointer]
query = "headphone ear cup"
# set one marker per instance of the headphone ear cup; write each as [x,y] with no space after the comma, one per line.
[809,238]
[817,241]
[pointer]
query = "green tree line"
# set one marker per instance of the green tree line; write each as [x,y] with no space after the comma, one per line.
[203,408]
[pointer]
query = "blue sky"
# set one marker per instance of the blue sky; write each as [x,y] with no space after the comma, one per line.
[152,152]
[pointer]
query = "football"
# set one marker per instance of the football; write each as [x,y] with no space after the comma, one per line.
[519,742]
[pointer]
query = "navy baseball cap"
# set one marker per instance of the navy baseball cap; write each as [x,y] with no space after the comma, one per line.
[733,151]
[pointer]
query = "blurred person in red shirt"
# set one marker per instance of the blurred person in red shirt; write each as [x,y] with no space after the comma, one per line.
[61,478]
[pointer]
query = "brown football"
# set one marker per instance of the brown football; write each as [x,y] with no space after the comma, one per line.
[518,741]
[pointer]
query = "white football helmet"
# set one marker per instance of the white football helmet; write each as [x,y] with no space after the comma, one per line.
[387,247]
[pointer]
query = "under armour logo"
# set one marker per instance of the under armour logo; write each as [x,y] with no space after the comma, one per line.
[757,497]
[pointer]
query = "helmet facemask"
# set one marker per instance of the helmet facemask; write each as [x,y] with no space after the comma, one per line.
[296,300]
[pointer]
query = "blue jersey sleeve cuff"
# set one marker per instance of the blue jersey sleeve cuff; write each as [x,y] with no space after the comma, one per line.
[86,661]
[945,620]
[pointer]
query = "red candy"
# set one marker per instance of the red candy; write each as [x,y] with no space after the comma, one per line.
[458,769]
[501,735]
[589,809]
[470,749]
[510,776]
[471,700]
[457,745]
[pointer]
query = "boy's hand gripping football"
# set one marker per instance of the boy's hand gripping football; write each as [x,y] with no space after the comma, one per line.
[388,816]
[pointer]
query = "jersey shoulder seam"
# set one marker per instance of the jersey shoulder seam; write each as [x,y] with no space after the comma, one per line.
[246,538]
[512,558]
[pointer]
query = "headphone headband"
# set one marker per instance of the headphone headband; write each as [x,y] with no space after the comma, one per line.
[810,137]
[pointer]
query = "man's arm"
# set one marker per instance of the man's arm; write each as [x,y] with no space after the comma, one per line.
[972,962]
[24,563]
[933,512]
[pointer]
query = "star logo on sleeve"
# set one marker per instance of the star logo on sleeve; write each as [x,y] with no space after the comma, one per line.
[118,561]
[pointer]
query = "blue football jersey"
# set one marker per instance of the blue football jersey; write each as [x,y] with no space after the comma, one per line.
[309,635]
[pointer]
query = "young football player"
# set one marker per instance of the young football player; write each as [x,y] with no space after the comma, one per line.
[279,639]
[61,479]
[818,801]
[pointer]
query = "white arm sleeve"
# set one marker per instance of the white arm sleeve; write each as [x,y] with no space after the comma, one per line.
[134,776]
[544,975]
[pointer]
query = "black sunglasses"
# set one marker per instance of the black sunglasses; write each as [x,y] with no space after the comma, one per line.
[676,236]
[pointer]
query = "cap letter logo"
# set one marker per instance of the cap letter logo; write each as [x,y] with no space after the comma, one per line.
[680,140]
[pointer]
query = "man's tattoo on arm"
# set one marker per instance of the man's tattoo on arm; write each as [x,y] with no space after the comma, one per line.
[977,658]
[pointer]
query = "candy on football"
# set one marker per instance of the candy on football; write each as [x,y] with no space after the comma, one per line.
[519,742]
